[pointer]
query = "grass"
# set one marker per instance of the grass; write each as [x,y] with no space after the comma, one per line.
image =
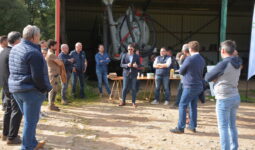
[90,90]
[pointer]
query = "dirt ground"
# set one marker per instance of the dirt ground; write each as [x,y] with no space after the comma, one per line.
[104,126]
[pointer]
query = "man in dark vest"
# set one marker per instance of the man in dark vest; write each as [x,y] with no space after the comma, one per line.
[162,65]
[130,63]
[12,113]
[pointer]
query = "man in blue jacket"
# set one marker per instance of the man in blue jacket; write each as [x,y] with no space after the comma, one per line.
[29,82]
[225,76]
[79,68]
[102,61]
[130,63]
[68,62]
[192,70]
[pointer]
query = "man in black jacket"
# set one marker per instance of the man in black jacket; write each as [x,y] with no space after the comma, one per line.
[12,113]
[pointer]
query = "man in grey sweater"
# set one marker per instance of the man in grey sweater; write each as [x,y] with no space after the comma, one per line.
[225,76]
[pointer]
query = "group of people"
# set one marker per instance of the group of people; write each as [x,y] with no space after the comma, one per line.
[30,73]
[225,76]
[30,70]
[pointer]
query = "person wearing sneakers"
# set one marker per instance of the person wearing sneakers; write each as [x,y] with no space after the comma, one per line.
[162,65]
[102,61]
[68,62]
[130,63]
[54,68]
[12,114]
[28,82]
[192,70]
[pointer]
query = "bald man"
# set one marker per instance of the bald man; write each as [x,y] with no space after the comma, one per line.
[79,68]
[68,62]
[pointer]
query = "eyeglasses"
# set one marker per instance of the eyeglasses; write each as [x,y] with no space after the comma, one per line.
[131,49]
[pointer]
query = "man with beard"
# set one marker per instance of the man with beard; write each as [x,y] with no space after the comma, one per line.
[54,70]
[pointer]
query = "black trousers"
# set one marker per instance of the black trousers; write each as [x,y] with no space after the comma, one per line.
[12,116]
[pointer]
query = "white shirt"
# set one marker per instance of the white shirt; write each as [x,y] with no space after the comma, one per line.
[130,58]
[194,53]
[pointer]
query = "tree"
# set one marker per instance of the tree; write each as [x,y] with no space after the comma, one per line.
[42,14]
[14,16]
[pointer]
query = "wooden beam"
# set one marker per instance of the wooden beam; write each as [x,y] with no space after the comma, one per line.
[57,24]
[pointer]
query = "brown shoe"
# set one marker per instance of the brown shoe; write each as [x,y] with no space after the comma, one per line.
[14,141]
[134,105]
[40,145]
[53,108]
[122,104]
[4,138]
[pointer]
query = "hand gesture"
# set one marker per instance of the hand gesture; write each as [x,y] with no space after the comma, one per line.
[71,60]
[135,65]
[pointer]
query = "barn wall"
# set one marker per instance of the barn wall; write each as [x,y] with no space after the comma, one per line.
[85,23]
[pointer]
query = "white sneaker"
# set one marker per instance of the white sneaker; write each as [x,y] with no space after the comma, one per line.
[166,103]
[155,102]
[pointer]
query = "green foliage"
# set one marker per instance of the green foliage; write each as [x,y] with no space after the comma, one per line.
[14,16]
[90,90]
[42,14]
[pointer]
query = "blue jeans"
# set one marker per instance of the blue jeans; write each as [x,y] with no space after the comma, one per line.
[129,83]
[165,81]
[77,75]
[102,77]
[189,97]
[179,94]
[30,105]
[226,116]
[65,86]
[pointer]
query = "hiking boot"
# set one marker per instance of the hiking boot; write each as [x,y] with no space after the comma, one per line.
[155,102]
[166,103]
[53,108]
[40,145]
[177,131]
[14,141]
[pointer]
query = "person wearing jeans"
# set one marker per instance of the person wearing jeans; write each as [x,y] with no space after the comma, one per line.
[130,63]
[185,54]
[192,71]
[162,65]
[68,62]
[225,76]
[102,61]
[79,68]
[30,103]
[29,83]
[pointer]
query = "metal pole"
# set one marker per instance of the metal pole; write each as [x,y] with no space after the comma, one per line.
[223,20]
